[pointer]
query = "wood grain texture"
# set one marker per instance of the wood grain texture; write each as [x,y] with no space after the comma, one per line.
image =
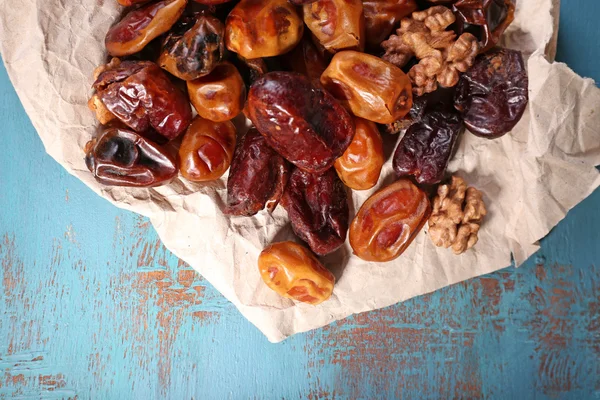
[92,306]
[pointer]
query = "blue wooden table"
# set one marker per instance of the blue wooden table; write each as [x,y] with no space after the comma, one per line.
[93,306]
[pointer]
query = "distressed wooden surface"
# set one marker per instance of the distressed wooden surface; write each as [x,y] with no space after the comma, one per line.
[93,306]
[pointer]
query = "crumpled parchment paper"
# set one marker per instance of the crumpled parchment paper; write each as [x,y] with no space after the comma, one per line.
[530,178]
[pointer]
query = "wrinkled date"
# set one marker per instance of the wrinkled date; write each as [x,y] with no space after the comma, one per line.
[318,209]
[140,95]
[426,147]
[194,47]
[301,121]
[220,95]
[306,60]
[486,19]
[139,27]
[336,24]
[388,221]
[360,165]
[493,94]
[381,16]
[371,88]
[206,149]
[120,157]
[263,28]
[257,177]
[294,272]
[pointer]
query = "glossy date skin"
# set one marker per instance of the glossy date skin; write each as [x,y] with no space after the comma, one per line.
[388,221]
[140,26]
[493,94]
[486,19]
[121,157]
[194,47]
[317,206]
[257,177]
[294,272]
[206,149]
[381,16]
[300,120]
[140,95]
[336,24]
[426,148]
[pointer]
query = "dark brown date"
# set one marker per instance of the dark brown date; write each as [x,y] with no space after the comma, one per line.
[425,149]
[121,157]
[381,16]
[257,177]
[305,59]
[493,94]
[486,19]
[301,121]
[140,95]
[140,26]
[194,47]
[211,2]
[317,206]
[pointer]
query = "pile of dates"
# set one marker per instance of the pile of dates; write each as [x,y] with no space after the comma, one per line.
[321,81]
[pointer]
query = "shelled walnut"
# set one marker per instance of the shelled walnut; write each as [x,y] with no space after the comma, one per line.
[440,53]
[457,214]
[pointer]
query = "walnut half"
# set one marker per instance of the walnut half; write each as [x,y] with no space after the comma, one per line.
[457,214]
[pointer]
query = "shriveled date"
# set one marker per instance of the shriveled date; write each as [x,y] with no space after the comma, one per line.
[140,95]
[370,87]
[381,16]
[493,94]
[121,157]
[336,24]
[257,177]
[427,145]
[318,209]
[294,272]
[206,149]
[388,221]
[301,121]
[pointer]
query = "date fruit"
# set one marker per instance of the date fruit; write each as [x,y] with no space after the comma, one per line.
[381,16]
[121,157]
[263,28]
[427,146]
[360,165]
[336,24]
[306,60]
[493,94]
[194,46]
[486,19]
[206,149]
[140,95]
[370,87]
[301,121]
[294,272]
[257,177]
[317,206]
[388,221]
[128,3]
[140,26]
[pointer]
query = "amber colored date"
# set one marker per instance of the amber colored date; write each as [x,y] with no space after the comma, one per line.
[128,3]
[206,149]
[317,206]
[257,177]
[381,16]
[294,272]
[336,24]
[388,221]
[139,27]
[121,157]
[370,87]
[360,165]
[211,2]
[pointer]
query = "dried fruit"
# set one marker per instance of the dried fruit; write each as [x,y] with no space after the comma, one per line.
[294,272]
[486,19]
[263,28]
[140,26]
[121,157]
[457,214]
[493,94]
[128,3]
[360,165]
[318,209]
[306,59]
[257,177]
[381,16]
[194,47]
[220,95]
[371,88]
[336,24]
[426,147]
[301,121]
[389,221]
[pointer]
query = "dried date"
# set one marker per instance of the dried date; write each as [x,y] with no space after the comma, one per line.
[301,121]
[306,59]
[317,206]
[381,16]
[336,24]
[486,19]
